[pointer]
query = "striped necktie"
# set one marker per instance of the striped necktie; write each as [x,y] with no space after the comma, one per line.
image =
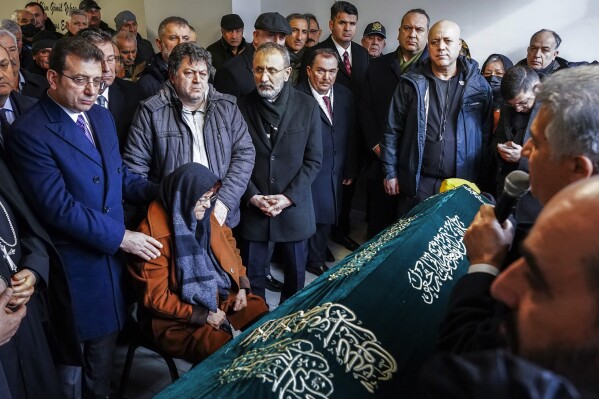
[327,102]
[83,126]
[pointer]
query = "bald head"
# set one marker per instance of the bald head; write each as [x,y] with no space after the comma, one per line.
[444,47]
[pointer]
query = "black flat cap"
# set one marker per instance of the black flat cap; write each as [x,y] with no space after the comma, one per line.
[273,22]
[43,39]
[231,21]
[375,28]
[89,4]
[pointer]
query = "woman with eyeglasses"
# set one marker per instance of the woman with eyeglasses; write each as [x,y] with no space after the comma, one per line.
[195,296]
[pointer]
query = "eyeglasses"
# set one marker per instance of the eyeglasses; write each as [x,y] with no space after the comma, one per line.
[259,71]
[83,81]
[521,104]
[110,59]
[207,200]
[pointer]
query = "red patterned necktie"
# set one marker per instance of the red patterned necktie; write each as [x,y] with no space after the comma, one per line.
[346,63]
[327,102]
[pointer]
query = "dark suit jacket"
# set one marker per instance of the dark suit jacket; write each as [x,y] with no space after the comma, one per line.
[77,191]
[382,76]
[338,160]
[123,99]
[358,70]
[288,167]
[235,77]
[21,103]
[35,85]
[41,256]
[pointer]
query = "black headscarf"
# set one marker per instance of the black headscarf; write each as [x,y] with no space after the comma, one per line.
[200,279]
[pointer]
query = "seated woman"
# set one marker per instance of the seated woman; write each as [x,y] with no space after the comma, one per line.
[197,289]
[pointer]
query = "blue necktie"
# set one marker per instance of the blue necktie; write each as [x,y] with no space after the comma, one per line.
[102,101]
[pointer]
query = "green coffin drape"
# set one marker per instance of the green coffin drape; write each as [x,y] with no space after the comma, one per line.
[360,330]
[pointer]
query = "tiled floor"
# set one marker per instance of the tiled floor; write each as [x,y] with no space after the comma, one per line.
[149,374]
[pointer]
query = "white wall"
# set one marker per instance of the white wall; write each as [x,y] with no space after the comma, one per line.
[488,26]
[203,15]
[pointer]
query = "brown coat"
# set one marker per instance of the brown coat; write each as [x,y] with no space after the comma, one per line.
[180,328]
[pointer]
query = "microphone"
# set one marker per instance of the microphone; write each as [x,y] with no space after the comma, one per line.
[517,183]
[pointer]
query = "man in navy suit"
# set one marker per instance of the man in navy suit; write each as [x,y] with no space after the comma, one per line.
[120,96]
[337,124]
[353,61]
[67,162]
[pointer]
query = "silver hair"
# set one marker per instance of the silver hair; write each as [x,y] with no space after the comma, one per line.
[6,32]
[572,97]
[10,26]
[76,11]
[124,35]
[274,47]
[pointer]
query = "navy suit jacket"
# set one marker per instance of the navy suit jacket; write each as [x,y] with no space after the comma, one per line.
[77,191]
[338,156]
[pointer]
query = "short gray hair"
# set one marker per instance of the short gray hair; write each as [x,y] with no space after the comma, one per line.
[6,32]
[275,48]
[572,97]
[77,11]
[126,35]
[10,26]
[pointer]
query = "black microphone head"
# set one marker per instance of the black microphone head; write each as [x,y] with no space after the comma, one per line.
[517,183]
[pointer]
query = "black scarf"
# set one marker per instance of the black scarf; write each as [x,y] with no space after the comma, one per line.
[200,278]
[272,112]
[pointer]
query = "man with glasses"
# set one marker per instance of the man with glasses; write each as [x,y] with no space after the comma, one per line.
[284,125]
[314,31]
[518,91]
[337,122]
[235,76]
[67,163]
[120,97]
[94,16]
[189,121]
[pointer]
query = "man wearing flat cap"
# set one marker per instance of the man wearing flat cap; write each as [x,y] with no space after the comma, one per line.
[231,43]
[126,21]
[235,76]
[94,16]
[373,39]
[41,46]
